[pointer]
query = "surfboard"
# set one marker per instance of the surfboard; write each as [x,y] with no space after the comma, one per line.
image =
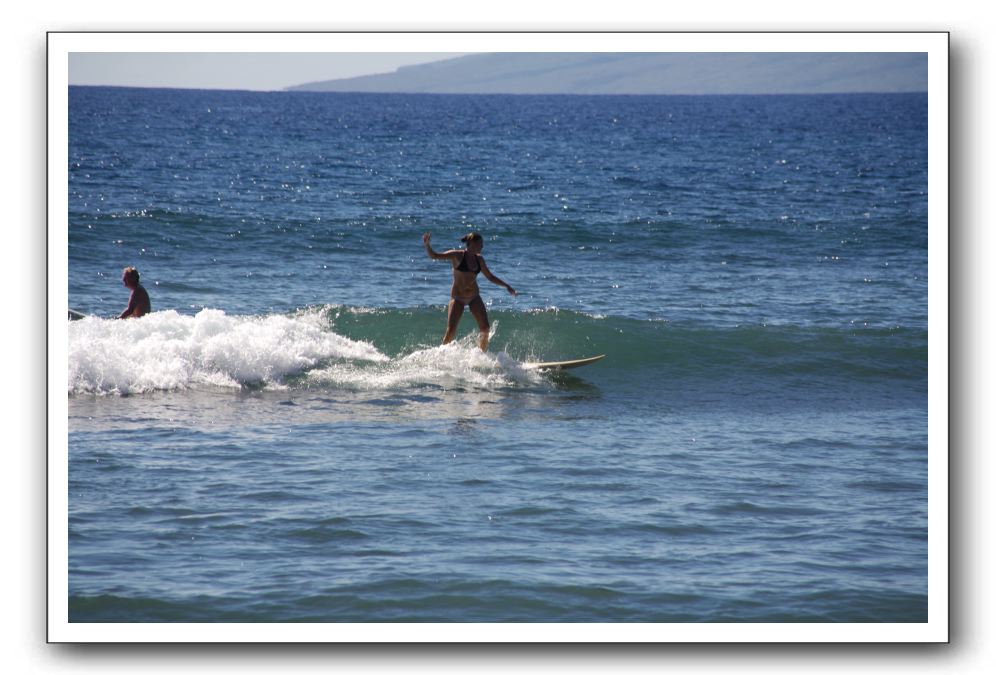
[562,365]
[75,316]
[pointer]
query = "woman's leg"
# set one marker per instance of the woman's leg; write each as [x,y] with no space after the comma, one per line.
[452,320]
[480,313]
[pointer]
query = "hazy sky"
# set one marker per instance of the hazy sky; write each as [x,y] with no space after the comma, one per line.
[219,70]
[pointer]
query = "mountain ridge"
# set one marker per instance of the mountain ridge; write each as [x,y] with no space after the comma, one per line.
[648,73]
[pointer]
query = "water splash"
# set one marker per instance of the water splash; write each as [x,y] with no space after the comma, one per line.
[169,351]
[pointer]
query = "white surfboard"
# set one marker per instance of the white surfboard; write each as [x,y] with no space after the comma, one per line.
[76,316]
[561,365]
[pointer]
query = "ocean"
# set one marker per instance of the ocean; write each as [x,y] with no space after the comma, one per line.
[284,438]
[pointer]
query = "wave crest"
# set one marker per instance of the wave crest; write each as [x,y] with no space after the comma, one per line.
[169,351]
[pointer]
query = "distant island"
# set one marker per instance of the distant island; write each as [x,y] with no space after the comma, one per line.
[649,73]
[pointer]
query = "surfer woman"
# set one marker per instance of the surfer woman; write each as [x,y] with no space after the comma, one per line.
[467,263]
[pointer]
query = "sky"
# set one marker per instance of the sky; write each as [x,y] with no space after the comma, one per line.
[246,71]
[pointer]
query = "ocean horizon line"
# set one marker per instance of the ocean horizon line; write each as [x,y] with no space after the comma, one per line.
[293,90]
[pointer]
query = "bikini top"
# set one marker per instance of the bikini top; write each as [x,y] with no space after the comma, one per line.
[462,267]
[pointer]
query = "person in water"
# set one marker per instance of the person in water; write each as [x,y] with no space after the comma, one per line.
[139,303]
[467,264]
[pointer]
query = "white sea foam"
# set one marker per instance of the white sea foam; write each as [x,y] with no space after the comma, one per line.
[458,364]
[168,351]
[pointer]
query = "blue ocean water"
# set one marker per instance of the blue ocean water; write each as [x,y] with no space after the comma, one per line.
[284,438]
